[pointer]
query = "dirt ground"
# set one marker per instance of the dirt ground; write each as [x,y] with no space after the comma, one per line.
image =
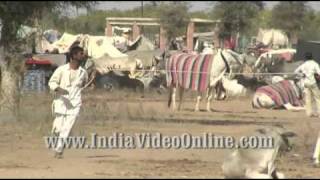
[25,155]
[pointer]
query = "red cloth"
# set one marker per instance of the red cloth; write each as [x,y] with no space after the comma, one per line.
[317,76]
[230,43]
[286,56]
[39,62]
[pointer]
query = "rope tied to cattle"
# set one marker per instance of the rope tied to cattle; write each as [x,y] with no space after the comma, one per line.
[235,73]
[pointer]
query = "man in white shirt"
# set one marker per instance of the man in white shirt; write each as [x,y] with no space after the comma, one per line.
[67,83]
[310,69]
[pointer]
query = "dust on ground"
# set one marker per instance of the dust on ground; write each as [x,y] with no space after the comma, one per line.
[24,152]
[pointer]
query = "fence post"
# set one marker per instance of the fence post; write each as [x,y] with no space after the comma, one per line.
[190,31]
[108,30]
[135,31]
[162,38]
[216,40]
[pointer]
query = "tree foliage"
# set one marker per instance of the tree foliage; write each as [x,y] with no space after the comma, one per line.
[96,19]
[13,14]
[290,16]
[311,26]
[236,16]
[174,18]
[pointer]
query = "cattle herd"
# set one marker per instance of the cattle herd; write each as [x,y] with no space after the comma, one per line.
[222,73]
[227,73]
[266,74]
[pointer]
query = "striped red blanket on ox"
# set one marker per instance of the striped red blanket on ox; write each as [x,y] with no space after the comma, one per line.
[282,93]
[189,71]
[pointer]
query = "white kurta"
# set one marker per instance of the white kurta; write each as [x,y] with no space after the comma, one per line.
[312,92]
[309,68]
[70,103]
[66,107]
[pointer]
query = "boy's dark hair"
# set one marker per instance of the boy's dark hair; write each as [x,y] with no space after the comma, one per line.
[308,55]
[75,50]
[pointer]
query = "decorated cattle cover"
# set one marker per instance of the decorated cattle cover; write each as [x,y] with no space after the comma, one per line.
[282,93]
[189,71]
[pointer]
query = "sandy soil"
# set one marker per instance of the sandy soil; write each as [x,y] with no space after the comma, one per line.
[24,153]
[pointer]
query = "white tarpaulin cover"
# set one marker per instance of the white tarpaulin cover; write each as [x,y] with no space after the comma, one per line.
[98,46]
[64,43]
[100,49]
[44,46]
[272,37]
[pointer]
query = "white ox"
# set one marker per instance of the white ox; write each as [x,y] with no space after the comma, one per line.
[108,58]
[259,163]
[273,38]
[263,100]
[218,69]
[227,87]
[233,88]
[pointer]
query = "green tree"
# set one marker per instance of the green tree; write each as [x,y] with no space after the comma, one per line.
[311,26]
[174,17]
[259,4]
[96,20]
[14,14]
[236,16]
[264,19]
[290,17]
[155,3]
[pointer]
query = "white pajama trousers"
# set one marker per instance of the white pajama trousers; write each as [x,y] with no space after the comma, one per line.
[62,125]
[312,96]
[316,154]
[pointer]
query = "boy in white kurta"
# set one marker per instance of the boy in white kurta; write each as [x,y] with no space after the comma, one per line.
[67,83]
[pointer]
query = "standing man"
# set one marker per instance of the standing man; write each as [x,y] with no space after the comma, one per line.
[67,83]
[310,70]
